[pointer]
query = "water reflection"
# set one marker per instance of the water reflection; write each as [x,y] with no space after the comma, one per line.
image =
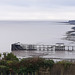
[46,54]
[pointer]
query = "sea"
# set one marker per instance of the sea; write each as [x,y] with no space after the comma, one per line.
[34,32]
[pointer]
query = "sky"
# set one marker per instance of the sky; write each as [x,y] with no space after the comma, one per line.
[37,9]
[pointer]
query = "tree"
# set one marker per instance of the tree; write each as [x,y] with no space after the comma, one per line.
[10,56]
[4,55]
[30,65]
[0,55]
[13,66]
[3,69]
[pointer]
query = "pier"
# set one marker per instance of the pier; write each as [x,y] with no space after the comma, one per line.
[42,47]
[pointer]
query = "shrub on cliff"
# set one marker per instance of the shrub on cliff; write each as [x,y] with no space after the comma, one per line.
[65,64]
[48,63]
[10,56]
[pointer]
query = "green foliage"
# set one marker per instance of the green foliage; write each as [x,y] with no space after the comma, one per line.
[23,70]
[0,54]
[3,62]
[3,68]
[61,62]
[11,64]
[10,56]
[30,64]
[48,63]
[4,55]
[66,64]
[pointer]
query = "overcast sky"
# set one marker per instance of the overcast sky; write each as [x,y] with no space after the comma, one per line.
[37,9]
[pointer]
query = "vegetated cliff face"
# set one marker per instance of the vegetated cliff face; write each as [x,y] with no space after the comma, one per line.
[10,65]
[71,22]
[58,69]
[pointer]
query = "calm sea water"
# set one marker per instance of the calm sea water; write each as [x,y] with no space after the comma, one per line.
[31,32]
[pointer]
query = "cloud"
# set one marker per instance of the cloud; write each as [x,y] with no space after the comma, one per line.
[38,2]
[36,9]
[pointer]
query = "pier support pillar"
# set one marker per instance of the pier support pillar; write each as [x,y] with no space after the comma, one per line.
[68,48]
[72,48]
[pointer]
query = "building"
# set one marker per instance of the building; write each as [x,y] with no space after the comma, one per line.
[19,46]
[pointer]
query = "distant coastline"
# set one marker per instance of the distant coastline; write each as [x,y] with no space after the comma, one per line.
[71,22]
